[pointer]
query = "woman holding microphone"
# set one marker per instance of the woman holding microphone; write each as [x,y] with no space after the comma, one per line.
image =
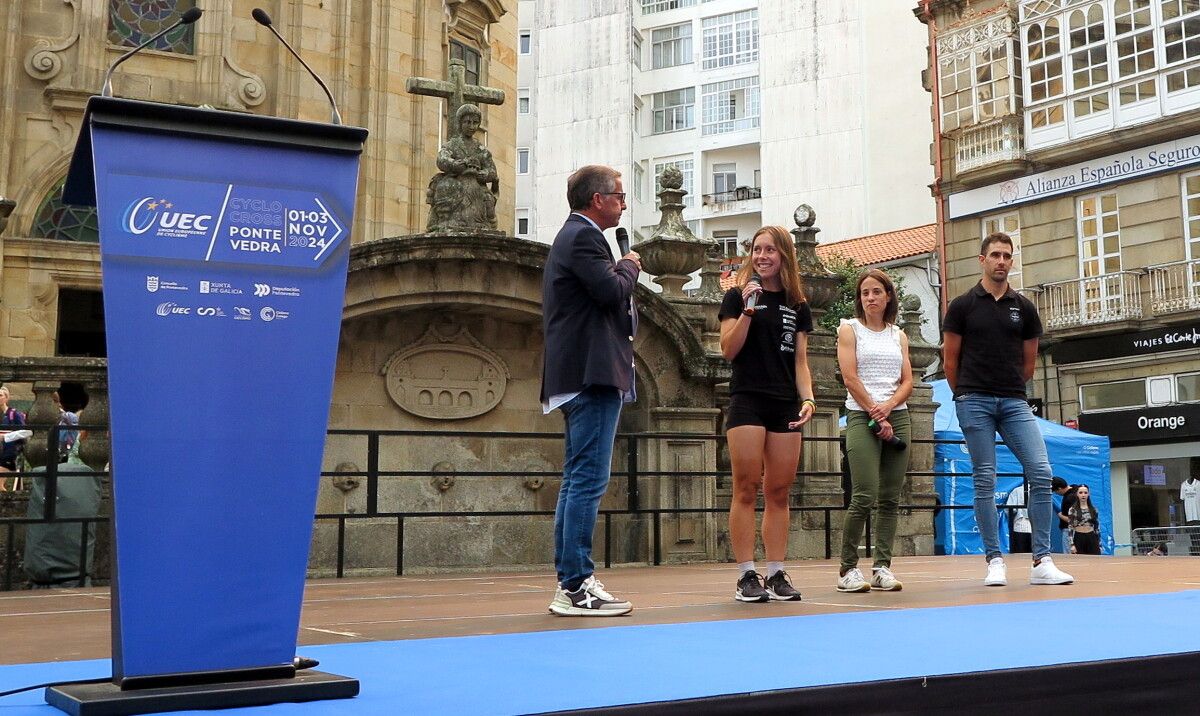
[873,357]
[765,322]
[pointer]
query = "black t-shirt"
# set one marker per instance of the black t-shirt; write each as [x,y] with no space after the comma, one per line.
[766,364]
[993,336]
[1069,499]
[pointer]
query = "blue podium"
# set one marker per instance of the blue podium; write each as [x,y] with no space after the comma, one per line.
[224,243]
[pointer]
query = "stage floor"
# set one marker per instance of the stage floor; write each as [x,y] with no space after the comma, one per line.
[73,624]
[484,644]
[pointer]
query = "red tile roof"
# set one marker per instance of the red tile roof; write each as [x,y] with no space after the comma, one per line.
[867,250]
[882,248]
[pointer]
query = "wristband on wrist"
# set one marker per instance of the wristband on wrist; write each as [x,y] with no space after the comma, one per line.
[810,401]
[747,311]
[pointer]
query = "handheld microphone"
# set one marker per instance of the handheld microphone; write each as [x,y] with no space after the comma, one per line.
[187,18]
[262,18]
[754,278]
[623,240]
[894,441]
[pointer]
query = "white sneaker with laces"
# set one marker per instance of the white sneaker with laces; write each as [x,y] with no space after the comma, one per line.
[882,580]
[997,574]
[590,600]
[852,581]
[1044,572]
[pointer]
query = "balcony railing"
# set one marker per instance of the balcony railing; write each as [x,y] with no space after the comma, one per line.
[742,193]
[1175,287]
[1089,301]
[993,142]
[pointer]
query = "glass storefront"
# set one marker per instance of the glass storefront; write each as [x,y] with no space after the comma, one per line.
[1154,487]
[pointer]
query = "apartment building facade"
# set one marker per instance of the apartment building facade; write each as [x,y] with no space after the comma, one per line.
[1072,125]
[761,104]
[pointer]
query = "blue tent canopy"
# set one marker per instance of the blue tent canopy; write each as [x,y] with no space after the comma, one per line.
[1077,457]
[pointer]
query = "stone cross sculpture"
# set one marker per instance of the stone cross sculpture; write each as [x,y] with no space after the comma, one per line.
[462,197]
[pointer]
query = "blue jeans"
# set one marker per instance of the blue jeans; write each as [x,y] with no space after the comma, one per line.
[591,426]
[981,417]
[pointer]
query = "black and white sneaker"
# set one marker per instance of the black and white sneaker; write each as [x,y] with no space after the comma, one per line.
[779,588]
[590,600]
[750,588]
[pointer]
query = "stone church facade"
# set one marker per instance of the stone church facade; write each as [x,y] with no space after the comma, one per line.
[440,333]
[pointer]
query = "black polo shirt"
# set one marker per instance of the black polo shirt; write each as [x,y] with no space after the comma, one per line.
[993,337]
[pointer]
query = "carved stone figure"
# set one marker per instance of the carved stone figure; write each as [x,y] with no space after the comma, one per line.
[462,197]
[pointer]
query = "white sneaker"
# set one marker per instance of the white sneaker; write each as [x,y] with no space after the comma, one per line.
[560,599]
[590,600]
[1044,572]
[997,575]
[852,581]
[882,580]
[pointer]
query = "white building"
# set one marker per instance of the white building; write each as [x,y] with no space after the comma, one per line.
[762,104]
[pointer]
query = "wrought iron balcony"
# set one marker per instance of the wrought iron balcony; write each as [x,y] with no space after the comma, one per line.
[1090,301]
[994,142]
[1175,287]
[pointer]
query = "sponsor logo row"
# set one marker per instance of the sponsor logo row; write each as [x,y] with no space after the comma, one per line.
[266,314]
[154,284]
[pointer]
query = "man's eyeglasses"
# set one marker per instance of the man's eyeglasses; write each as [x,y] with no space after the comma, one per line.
[619,194]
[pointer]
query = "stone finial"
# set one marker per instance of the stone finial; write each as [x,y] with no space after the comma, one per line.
[671,178]
[6,209]
[820,284]
[920,353]
[710,275]
[673,252]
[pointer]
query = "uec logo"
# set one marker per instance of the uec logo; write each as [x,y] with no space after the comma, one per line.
[144,214]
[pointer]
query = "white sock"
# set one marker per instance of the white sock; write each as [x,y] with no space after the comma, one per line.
[773,567]
[744,567]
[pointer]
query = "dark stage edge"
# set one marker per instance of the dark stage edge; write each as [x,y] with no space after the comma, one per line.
[1151,684]
[107,699]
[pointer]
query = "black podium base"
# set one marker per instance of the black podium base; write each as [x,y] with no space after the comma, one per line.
[108,699]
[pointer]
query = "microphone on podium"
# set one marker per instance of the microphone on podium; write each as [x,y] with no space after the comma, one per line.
[187,18]
[262,18]
[623,239]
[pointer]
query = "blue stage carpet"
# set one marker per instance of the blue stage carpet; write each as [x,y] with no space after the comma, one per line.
[591,668]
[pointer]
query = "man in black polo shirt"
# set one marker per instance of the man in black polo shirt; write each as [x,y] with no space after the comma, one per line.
[990,341]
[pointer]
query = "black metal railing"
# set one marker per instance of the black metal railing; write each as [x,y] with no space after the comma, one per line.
[633,474]
[742,193]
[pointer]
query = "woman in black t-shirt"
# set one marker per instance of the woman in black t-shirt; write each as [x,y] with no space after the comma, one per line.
[765,323]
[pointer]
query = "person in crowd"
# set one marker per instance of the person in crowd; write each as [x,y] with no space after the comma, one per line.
[990,343]
[872,354]
[765,322]
[1066,494]
[10,449]
[587,372]
[1084,523]
[1021,541]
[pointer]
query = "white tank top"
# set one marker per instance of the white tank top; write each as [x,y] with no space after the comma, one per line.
[879,362]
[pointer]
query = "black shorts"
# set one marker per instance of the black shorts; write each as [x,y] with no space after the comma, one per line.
[774,414]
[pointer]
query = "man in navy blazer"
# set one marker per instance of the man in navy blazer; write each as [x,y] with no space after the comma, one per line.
[588,320]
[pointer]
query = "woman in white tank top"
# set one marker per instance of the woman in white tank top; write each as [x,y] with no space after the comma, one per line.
[873,357]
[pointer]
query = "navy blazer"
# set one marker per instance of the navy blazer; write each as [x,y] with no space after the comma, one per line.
[587,318]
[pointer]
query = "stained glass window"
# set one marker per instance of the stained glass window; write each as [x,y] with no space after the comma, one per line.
[56,220]
[132,22]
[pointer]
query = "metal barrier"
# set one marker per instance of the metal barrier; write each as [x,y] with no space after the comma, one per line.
[373,473]
[1181,541]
